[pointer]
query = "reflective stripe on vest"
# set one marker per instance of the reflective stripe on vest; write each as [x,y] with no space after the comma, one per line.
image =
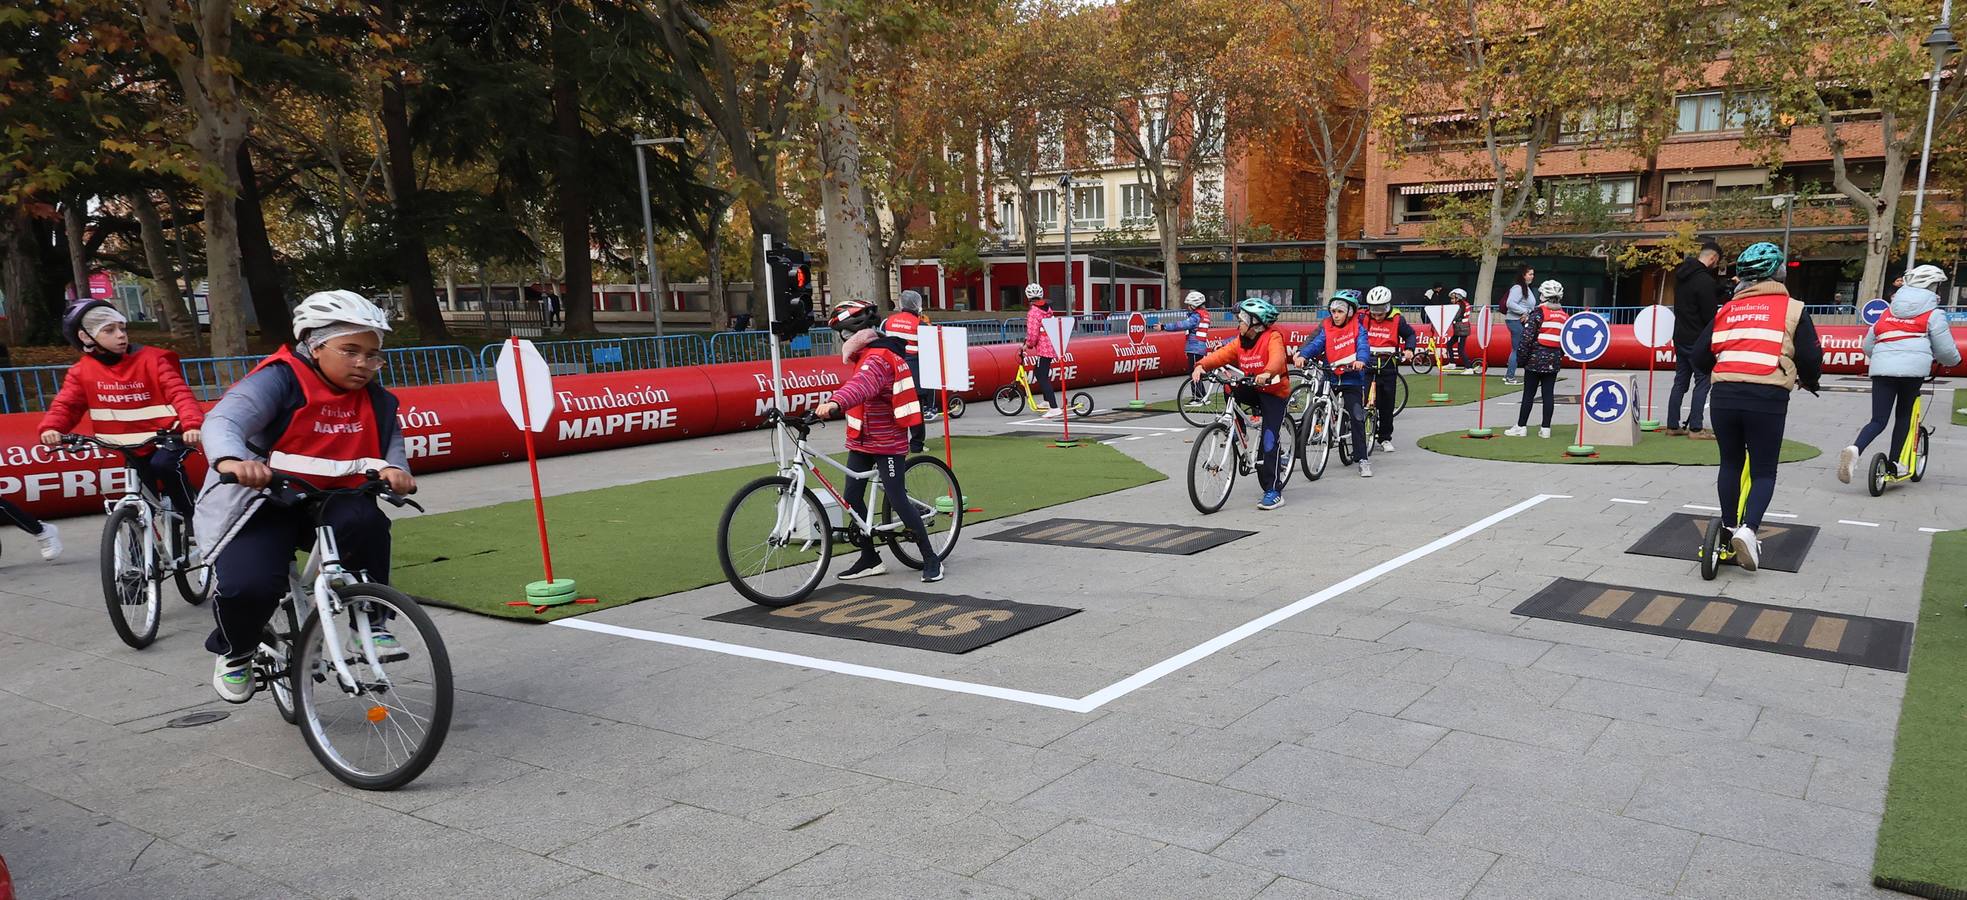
[1551,334]
[1383,335]
[908,410]
[333,438]
[126,404]
[902,325]
[1748,335]
[1341,349]
[1254,358]
[1892,328]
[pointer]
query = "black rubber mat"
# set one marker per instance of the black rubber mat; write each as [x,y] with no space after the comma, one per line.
[1179,540]
[1811,634]
[1113,416]
[1682,534]
[883,615]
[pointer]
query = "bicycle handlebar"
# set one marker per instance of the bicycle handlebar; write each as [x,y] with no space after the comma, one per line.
[802,422]
[291,490]
[169,438]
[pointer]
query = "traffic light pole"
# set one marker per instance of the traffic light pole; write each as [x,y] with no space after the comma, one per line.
[772,329]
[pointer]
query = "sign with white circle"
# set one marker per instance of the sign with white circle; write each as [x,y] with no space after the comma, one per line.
[1479,332]
[1654,326]
[1586,336]
[1137,329]
[1873,311]
[1607,401]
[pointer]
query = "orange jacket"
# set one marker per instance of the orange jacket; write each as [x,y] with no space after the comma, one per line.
[1267,357]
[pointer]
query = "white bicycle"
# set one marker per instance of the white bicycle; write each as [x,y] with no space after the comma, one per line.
[145,540]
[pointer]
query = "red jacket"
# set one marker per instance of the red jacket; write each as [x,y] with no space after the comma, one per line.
[142,392]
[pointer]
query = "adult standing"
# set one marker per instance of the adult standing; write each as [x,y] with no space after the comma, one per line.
[1517,306]
[901,325]
[1697,292]
[1038,345]
[551,303]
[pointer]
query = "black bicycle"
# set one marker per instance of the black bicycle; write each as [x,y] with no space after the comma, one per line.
[145,541]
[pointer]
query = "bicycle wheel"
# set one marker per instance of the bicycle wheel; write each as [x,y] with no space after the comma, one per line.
[1212,468]
[957,407]
[1082,404]
[1921,448]
[1422,362]
[1400,395]
[127,588]
[1287,450]
[276,657]
[1300,401]
[932,487]
[1876,477]
[382,731]
[1203,411]
[1315,439]
[1341,433]
[774,546]
[1008,400]
[195,582]
[1711,550]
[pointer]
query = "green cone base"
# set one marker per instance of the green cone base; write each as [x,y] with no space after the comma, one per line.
[557,592]
[1482,432]
[1437,398]
[1580,450]
[1649,425]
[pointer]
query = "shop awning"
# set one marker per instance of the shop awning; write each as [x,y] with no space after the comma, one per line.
[1447,187]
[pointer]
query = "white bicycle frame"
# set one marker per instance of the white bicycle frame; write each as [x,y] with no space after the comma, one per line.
[322,574]
[790,505]
[148,507]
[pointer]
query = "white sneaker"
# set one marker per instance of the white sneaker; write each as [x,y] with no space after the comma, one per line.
[1748,548]
[1365,468]
[1847,460]
[50,539]
[1543,433]
[1515,431]
[1053,413]
[864,568]
[233,680]
[1386,446]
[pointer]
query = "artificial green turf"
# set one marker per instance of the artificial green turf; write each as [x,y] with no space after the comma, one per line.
[1921,847]
[1959,413]
[646,540]
[1461,389]
[1654,448]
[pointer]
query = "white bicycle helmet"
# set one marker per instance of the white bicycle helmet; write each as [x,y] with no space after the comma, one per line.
[1458,294]
[330,307]
[1926,278]
[1194,300]
[1550,289]
[1379,297]
[1034,291]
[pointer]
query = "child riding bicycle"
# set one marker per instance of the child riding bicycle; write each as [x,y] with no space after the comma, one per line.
[1341,339]
[1902,346]
[314,410]
[1260,352]
[1196,324]
[881,406]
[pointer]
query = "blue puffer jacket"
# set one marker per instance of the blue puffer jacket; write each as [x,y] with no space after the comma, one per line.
[1197,337]
[1910,359]
[1315,347]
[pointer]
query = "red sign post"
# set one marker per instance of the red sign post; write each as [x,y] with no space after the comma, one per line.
[1137,335]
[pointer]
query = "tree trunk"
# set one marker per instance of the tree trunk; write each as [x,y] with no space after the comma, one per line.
[571,187]
[412,252]
[17,234]
[73,225]
[720,303]
[171,313]
[1881,220]
[1167,210]
[226,283]
[849,246]
[1026,200]
[1333,191]
[256,254]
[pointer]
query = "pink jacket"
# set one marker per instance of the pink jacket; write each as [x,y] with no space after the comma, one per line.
[1037,342]
[868,388]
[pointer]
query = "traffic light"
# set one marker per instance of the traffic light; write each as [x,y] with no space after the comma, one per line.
[792,291]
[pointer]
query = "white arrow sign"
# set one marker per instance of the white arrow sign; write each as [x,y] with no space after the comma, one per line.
[519,361]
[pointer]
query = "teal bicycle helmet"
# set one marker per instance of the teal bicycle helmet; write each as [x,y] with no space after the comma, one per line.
[1350,296]
[1259,309]
[1760,262]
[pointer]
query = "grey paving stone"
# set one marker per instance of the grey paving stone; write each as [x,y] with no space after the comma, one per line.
[971,765]
[956,833]
[1018,723]
[752,784]
[544,811]
[456,770]
[1364,691]
[170,871]
[1535,771]
[1738,661]
[1173,810]
[1355,856]
[1467,642]
[1425,667]
[1516,879]
[1841,738]
[1505,682]
[1743,763]
[56,847]
[1176,873]
[601,887]
[866,875]
[1667,675]
[1402,798]
[1629,642]
[1293,889]
[1210,705]
[1852,784]
[829,736]
[1289,718]
[1394,742]
[1753,817]
[1809,698]
[1568,837]
[1067,859]
[692,852]
[1663,708]
[1207,755]
[1462,709]
[1724,870]
[591,746]
[1122,737]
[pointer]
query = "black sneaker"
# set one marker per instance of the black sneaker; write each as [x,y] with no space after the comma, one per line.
[932,571]
[865,567]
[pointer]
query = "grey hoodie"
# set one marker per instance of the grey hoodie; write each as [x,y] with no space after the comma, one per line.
[1913,359]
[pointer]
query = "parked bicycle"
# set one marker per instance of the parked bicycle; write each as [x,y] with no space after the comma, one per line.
[1224,449]
[374,717]
[1431,353]
[145,541]
[776,537]
[1910,464]
[1008,401]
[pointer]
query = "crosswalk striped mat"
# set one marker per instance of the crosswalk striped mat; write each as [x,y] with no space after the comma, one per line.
[1179,540]
[1792,631]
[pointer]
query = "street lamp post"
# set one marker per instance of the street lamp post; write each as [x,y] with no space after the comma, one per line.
[1065,191]
[1786,203]
[649,227]
[1941,44]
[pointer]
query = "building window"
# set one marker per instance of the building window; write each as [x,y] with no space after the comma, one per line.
[1045,210]
[1689,195]
[1154,125]
[1099,144]
[1212,141]
[1089,207]
[1136,206]
[1051,144]
[1716,111]
[1007,216]
[1692,193]
[1209,194]
[1615,195]
[1601,123]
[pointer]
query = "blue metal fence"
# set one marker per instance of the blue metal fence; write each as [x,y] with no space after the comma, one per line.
[612,354]
[29,388]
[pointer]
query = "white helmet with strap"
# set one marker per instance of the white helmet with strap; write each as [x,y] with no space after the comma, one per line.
[1194,299]
[1926,277]
[1550,290]
[1034,291]
[343,307]
[1380,296]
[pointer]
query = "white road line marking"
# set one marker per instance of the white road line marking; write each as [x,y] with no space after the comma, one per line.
[1932,530]
[1781,515]
[1104,695]
[1633,502]
[1138,437]
[1114,441]
[1856,522]
[1095,426]
[1700,507]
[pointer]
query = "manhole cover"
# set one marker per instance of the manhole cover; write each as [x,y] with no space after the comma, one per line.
[193,720]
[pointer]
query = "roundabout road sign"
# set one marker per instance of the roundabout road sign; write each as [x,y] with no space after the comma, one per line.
[1873,311]
[1607,402]
[1586,337]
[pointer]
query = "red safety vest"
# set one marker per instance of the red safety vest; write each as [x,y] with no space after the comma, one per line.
[1748,335]
[1383,335]
[1551,334]
[1203,314]
[1341,344]
[908,410]
[126,401]
[902,325]
[1892,328]
[1253,358]
[333,439]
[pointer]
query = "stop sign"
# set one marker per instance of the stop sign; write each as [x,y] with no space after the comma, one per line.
[1137,328]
